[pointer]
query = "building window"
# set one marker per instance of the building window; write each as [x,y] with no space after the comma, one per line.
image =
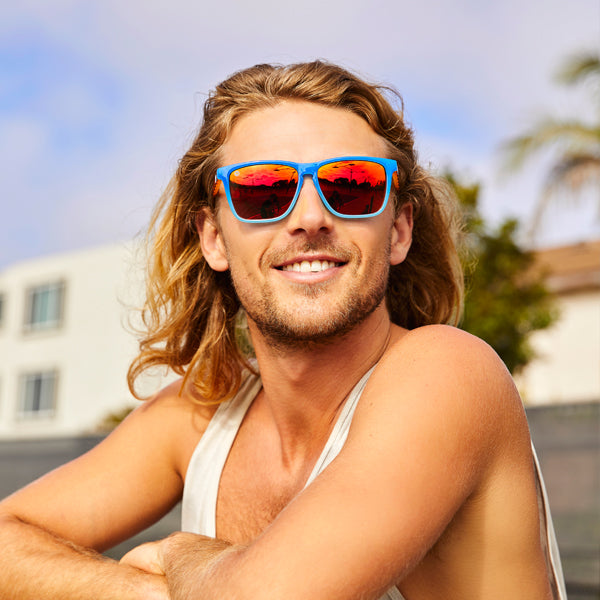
[38,395]
[44,306]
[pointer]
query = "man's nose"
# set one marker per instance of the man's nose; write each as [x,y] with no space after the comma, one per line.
[309,213]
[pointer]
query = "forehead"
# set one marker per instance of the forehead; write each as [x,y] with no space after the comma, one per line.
[300,131]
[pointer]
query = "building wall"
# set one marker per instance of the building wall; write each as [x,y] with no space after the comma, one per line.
[568,365]
[90,349]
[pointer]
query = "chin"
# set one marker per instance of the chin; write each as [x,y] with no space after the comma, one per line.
[294,327]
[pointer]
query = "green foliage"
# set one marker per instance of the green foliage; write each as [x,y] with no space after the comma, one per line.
[242,336]
[505,301]
[111,420]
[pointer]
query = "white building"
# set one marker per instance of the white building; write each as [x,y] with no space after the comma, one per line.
[568,365]
[65,346]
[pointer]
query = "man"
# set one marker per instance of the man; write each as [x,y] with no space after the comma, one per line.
[378,454]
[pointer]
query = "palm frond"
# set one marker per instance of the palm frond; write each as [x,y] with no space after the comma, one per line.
[579,67]
[574,172]
[575,144]
[568,136]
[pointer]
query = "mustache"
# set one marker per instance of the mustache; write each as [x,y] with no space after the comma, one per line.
[342,252]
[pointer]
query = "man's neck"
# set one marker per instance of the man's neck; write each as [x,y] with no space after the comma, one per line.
[305,386]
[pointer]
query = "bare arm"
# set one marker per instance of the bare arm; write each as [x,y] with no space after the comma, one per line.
[35,564]
[51,532]
[422,441]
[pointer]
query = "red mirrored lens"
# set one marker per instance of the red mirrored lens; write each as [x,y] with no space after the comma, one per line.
[262,191]
[353,187]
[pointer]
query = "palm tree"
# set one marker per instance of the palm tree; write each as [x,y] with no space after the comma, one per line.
[576,144]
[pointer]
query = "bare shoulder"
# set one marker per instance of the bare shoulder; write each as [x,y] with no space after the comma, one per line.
[439,379]
[444,344]
[440,356]
[175,404]
[173,419]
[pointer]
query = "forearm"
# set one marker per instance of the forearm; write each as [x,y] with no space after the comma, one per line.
[207,583]
[196,567]
[35,564]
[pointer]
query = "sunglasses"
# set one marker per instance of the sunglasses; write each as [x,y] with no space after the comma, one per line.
[351,187]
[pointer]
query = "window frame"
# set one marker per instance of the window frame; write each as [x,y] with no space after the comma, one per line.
[33,300]
[40,408]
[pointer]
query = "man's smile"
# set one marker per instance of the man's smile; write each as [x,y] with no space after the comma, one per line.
[311,267]
[308,266]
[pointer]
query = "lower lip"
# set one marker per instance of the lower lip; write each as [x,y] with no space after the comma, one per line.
[311,276]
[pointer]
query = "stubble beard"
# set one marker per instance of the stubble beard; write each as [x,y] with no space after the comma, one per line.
[308,322]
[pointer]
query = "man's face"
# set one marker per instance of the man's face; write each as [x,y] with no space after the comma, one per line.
[344,263]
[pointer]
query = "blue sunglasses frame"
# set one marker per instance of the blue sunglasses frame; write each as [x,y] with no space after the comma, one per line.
[308,169]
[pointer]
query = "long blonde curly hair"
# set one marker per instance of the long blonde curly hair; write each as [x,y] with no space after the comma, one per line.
[190,311]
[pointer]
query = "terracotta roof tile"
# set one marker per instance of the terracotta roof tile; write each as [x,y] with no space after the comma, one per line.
[571,268]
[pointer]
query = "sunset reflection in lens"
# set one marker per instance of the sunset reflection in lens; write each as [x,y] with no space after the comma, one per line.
[353,187]
[262,191]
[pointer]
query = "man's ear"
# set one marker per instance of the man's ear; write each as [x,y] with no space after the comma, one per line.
[211,241]
[401,234]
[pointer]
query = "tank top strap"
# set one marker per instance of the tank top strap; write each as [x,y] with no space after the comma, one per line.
[548,536]
[203,475]
[338,435]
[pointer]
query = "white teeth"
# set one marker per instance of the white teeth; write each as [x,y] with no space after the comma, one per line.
[314,266]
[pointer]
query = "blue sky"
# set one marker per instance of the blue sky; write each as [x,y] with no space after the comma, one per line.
[98,99]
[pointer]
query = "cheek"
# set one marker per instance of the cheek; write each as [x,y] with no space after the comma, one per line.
[242,259]
[379,241]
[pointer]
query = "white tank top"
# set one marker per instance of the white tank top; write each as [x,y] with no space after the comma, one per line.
[208,460]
